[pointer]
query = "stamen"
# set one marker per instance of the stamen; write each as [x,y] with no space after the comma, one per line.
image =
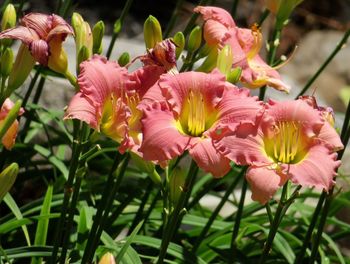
[196,114]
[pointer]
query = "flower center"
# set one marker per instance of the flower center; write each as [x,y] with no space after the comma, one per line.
[287,146]
[194,118]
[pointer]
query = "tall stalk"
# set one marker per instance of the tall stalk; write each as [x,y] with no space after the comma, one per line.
[176,215]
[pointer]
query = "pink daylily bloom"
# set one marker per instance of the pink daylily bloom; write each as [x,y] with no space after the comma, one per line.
[221,30]
[8,140]
[43,34]
[293,141]
[194,108]
[101,99]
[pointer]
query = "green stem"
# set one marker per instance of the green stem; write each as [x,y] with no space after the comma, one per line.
[263,17]
[31,87]
[125,11]
[76,150]
[218,208]
[325,64]
[274,226]
[173,18]
[72,79]
[176,215]
[238,217]
[234,7]
[151,207]
[310,229]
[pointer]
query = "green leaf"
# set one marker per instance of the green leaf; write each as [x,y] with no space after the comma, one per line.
[284,248]
[53,159]
[334,247]
[43,223]
[128,242]
[15,210]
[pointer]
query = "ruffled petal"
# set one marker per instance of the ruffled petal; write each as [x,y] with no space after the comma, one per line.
[317,169]
[176,88]
[214,32]
[264,182]
[217,14]
[239,55]
[26,35]
[99,78]
[161,139]
[208,158]
[238,108]
[40,51]
[330,137]
[41,23]
[82,108]
[243,150]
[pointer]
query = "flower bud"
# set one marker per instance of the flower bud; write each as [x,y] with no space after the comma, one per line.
[9,17]
[225,60]
[83,34]
[7,131]
[152,32]
[124,59]
[210,61]
[176,184]
[23,65]
[7,179]
[97,33]
[195,39]
[6,62]
[117,27]
[107,258]
[282,9]
[83,55]
[234,75]
[146,166]
[179,40]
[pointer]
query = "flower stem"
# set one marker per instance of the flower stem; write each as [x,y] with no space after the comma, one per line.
[173,18]
[325,64]
[238,217]
[234,8]
[193,19]
[121,19]
[217,209]
[274,226]
[176,215]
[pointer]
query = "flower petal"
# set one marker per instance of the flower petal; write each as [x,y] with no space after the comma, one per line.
[214,32]
[217,14]
[175,88]
[208,158]
[329,136]
[8,140]
[26,35]
[99,78]
[41,23]
[161,139]
[40,51]
[264,183]
[242,150]
[317,169]
[82,108]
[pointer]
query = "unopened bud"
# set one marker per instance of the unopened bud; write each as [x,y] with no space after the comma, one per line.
[179,40]
[6,62]
[107,258]
[97,33]
[7,122]
[176,184]
[195,39]
[124,59]
[83,34]
[7,179]
[210,62]
[225,60]
[234,75]
[23,65]
[152,32]
[9,17]
[117,27]
[83,55]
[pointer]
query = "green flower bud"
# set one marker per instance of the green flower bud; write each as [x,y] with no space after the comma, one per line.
[210,62]
[176,184]
[179,40]
[107,258]
[6,62]
[234,75]
[117,26]
[9,17]
[225,60]
[195,39]
[124,59]
[83,55]
[7,179]
[152,32]
[83,35]
[23,65]
[97,33]
[205,50]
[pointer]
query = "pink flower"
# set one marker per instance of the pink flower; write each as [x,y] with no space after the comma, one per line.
[8,140]
[293,141]
[221,30]
[183,111]
[43,34]
[101,99]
